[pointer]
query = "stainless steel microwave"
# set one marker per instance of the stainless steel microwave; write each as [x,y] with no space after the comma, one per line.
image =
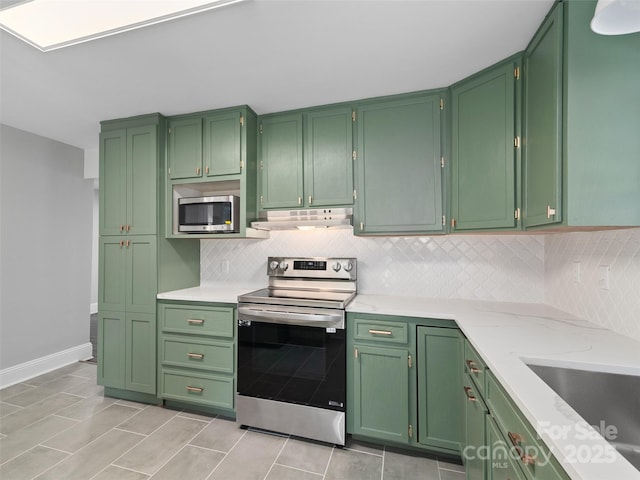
[216,214]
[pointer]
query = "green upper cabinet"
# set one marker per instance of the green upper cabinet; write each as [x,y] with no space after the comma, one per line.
[280,156]
[328,157]
[543,123]
[398,166]
[128,181]
[221,144]
[581,124]
[185,147]
[440,407]
[483,150]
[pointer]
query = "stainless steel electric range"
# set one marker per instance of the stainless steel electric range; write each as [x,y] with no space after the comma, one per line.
[291,348]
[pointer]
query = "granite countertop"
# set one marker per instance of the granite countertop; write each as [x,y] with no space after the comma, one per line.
[508,336]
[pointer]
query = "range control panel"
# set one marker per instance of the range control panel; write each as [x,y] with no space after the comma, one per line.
[316,267]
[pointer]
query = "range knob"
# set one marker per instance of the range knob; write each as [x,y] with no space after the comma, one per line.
[348,266]
[336,267]
[273,265]
[284,266]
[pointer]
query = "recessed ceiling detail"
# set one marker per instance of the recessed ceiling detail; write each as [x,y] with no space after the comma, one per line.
[53,24]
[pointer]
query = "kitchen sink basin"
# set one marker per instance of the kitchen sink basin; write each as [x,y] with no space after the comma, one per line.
[604,400]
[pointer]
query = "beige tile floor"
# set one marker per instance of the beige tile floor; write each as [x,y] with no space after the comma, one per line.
[60,426]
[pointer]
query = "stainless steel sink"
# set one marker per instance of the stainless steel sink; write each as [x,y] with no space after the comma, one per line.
[602,399]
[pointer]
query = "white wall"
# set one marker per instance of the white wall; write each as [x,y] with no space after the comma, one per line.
[46,209]
[574,266]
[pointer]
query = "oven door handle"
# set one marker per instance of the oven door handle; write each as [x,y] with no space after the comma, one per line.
[326,320]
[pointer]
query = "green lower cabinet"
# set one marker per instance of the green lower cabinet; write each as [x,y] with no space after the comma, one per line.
[474,450]
[440,408]
[381,393]
[127,351]
[197,355]
[502,464]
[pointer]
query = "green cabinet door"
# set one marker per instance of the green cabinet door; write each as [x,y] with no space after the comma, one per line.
[280,155]
[483,161]
[111,349]
[381,393]
[440,409]
[542,139]
[398,161]
[142,166]
[221,147]
[111,274]
[113,180]
[475,441]
[140,276]
[502,464]
[185,148]
[328,157]
[140,352]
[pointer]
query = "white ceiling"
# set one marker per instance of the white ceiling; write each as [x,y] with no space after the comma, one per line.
[273,55]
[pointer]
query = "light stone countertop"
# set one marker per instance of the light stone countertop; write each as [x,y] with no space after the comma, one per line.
[507,336]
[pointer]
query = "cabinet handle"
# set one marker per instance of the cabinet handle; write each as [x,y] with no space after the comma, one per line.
[195,389]
[471,398]
[198,356]
[516,439]
[128,227]
[206,170]
[197,170]
[127,243]
[299,200]
[380,332]
[310,199]
[551,212]
[121,243]
[122,228]
[195,321]
[472,366]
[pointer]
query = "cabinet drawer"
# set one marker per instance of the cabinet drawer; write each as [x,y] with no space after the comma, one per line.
[210,390]
[532,452]
[211,321]
[474,367]
[204,355]
[387,332]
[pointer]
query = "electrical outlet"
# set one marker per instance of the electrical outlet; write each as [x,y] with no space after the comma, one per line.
[576,273]
[603,276]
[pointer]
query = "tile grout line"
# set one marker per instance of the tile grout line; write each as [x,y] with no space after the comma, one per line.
[384,451]
[226,455]
[185,445]
[297,469]
[277,457]
[326,469]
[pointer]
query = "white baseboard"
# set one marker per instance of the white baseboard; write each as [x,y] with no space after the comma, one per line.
[93,308]
[25,371]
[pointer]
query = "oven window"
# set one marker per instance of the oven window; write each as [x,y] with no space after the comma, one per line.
[214,213]
[290,363]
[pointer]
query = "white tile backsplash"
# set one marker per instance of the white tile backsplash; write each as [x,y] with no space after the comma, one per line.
[486,267]
[584,293]
[518,268]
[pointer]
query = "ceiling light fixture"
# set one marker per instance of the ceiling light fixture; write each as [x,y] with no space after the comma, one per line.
[616,17]
[52,24]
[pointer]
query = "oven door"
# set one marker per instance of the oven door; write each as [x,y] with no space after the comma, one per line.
[293,355]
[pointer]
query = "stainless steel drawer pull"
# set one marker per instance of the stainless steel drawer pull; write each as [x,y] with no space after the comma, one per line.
[195,321]
[516,439]
[380,332]
[472,366]
[195,389]
[468,391]
[199,356]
